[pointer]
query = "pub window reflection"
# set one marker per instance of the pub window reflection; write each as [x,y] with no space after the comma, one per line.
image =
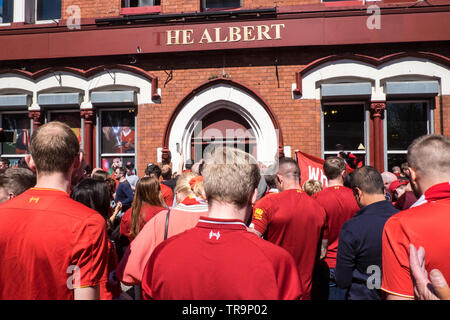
[118,137]
[405,121]
[344,131]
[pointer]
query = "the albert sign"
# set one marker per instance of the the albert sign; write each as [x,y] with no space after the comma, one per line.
[225,34]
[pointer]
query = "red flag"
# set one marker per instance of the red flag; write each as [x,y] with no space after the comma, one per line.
[312,168]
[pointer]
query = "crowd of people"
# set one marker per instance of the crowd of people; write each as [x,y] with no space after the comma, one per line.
[224,228]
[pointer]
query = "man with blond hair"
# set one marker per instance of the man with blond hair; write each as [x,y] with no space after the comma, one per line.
[426,224]
[53,248]
[219,259]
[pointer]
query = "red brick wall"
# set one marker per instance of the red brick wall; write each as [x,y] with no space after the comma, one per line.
[111,8]
[299,119]
[445,114]
[93,9]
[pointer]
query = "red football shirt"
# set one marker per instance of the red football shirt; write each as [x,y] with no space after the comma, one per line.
[147,212]
[220,260]
[340,205]
[427,226]
[45,238]
[294,221]
[167,194]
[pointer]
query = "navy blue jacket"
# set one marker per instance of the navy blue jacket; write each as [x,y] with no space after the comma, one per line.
[359,251]
[124,194]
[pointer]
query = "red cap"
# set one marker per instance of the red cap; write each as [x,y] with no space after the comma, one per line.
[395,184]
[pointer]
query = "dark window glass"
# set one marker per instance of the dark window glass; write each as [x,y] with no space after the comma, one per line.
[48,9]
[405,122]
[19,123]
[6,11]
[118,135]
[395,159]
[209,4]
[140,3]
[343,124]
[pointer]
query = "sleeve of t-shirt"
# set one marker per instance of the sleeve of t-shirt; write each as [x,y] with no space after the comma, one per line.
[125,224]
[345,260]
[168,196]
[395,258]
[90,253]
[262,215]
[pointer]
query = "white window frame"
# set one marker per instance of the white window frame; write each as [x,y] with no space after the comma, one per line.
[366,129]
[4,155]
[430,125]
[99,154]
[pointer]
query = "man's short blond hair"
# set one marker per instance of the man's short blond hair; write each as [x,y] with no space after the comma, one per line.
[54,147]
[430,155]
[230,175]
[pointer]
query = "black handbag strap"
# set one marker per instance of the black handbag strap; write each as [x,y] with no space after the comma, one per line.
[167,225]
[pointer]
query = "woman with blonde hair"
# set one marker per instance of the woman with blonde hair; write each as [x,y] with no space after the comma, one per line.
[147,203]
[189,189]
[191,204]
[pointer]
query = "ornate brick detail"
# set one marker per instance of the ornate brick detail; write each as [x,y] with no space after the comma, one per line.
[88,116]
[377,109]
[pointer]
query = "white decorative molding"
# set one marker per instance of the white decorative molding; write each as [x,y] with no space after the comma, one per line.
[347,70]
[224,96]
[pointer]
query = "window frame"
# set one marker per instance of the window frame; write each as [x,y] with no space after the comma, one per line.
[205,9]
[365,105]
[45,21]
[430,125]
[5,155]
[98,136]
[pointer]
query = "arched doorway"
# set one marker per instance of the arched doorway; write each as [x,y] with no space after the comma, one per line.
[219,106]
[222,127]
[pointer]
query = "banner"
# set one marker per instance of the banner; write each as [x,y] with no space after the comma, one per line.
[312,168]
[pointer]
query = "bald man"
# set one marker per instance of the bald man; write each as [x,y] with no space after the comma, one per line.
[388,177]
[292,220]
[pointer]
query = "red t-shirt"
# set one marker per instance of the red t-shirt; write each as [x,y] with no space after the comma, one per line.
[44,238]
[167,194]
[340,205]
[294,221]
[147,212]
[427,226]
[220,260]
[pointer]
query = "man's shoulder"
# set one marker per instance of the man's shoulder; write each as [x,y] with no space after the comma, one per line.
[414,215]
[270,250]
[55,203]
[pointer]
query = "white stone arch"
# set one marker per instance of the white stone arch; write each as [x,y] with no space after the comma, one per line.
[407,68]
[225,96]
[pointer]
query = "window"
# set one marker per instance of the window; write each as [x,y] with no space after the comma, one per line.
[405,121]
[19,124]
[220,4]
[6,11]
[140,3]
[117,136]
[48,9]
[70,117]
[345,124]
